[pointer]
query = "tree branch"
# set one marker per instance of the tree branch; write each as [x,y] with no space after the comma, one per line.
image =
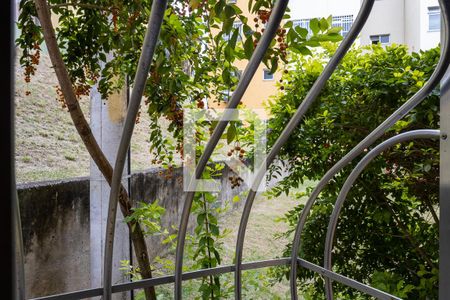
[404,229]
[84,130]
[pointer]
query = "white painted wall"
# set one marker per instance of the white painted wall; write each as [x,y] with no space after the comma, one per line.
[387,17]
[412,24]
[428,39]
[306,9]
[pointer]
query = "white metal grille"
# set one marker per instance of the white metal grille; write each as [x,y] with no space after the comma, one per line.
[345,22]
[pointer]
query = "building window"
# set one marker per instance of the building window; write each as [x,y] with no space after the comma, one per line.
[303,23]
[434,18]
[236,25]
[345,22]
[383,39]
[267,75]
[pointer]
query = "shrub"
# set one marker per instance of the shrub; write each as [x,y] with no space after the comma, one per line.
[387,233]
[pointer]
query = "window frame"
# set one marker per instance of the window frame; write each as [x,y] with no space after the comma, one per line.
[434,11]
[240,28]
[345,22]
[267,71]
[379,39]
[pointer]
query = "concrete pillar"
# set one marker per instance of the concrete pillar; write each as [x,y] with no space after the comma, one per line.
[106,119]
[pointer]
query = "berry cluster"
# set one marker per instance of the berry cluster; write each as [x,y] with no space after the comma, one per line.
[263,16]
[132,19]
[239,152]
[115,13]
[175,113]
[235,181]
[60,98]
[180,149]
[32,62]
[281,39]
[80,88]
[200,104]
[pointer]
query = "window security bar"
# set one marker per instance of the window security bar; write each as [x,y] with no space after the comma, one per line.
[294,262]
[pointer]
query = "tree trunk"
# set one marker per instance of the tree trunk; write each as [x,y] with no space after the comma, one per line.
[84,130]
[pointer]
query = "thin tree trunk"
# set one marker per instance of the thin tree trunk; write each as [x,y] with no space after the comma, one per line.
[84,130]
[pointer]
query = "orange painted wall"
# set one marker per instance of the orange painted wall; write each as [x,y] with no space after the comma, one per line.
[259,89]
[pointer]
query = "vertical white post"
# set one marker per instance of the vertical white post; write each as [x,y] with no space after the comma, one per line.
[444,195]
[107,118]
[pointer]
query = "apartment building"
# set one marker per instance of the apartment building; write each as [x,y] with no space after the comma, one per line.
[263,84]
[415,23]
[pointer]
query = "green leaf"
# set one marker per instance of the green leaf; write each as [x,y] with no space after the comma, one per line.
[231,133]
[314,25]
[334,30]
[201,218]
[303,32]
[323,24]
[229,12]
[214,229]
[248,47]
[274,62]
[233,40]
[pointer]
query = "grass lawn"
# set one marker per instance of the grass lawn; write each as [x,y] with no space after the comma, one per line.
[260,244]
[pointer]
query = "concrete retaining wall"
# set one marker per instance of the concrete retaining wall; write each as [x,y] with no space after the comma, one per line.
[55,221]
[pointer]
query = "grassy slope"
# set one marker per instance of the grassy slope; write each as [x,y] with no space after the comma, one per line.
[260,244]
[47,144]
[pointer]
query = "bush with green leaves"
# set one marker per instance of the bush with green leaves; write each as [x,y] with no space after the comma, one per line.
[387,233]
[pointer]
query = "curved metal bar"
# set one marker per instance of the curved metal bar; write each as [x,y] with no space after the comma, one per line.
[19,255]
[290,127]
[258,55]
[373,136]
[347,281]
[145,283]
[332,225]
[148,49]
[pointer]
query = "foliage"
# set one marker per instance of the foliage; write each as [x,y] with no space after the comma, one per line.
[149,216]
[387,233]
[100,42]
